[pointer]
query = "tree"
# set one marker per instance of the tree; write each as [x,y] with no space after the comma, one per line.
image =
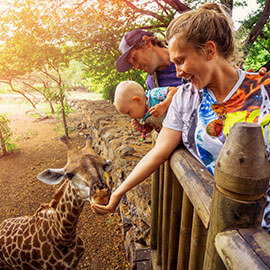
[257,41]
[44,36]
[113,18]
[33,42]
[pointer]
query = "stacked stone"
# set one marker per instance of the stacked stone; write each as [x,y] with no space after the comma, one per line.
[114,139]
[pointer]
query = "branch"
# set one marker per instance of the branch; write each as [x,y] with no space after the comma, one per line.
[145,12]
[154,26]
[263,18]
[77,6]
[177,5]
[44,71]
[267,65]
[21,93]
[80,4]
[32,87]
[162,7]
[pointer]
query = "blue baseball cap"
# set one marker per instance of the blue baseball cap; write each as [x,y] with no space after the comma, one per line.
[128,41]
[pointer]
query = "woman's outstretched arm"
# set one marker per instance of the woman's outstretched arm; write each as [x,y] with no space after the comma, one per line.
[167,141]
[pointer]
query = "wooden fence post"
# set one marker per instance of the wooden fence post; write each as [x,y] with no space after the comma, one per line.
[154,209]
[160,214]
[177,193]
[241,180]
[167,199]
[154,202]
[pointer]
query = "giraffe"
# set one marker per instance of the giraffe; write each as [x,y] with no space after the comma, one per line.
[48,239]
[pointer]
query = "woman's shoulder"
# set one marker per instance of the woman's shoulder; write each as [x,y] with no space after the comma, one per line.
[187,94]
[255,78]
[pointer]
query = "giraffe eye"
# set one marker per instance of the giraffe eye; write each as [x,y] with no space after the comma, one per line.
[70,175]
[107,166]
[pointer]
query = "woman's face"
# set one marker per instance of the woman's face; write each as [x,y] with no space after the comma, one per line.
[191,63]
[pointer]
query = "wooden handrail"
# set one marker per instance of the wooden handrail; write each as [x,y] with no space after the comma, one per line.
[244,249]
[196,209]
[196,180]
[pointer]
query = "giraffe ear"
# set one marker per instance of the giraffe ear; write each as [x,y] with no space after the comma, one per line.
[51,176]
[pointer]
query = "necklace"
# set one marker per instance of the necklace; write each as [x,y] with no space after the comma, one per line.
[146,115]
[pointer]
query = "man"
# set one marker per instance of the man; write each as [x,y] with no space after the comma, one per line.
[144,51]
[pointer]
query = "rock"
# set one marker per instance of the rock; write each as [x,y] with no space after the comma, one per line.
[114,139]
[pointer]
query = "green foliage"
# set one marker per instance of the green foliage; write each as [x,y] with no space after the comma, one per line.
[61,130]
[72,75]
[257,53]
[6,134]
[4,89]
[108,82]
[76,42]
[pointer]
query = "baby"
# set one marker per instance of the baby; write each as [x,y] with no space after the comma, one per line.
[147,109]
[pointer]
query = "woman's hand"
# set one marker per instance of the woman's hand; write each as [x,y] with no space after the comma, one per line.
[167,141]
[110,207]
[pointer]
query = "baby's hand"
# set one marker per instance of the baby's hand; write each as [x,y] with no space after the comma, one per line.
[158,110]
[136,125]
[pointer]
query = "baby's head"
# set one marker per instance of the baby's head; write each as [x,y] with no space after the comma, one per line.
[130,99]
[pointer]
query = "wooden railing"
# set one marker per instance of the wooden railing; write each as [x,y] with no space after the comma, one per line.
[205,222]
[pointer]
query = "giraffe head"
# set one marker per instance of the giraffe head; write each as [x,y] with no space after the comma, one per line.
[86,170]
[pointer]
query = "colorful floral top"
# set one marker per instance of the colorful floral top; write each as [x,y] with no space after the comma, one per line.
[154,96]
[205,123]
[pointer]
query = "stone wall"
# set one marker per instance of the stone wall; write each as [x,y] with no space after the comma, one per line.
[114,139]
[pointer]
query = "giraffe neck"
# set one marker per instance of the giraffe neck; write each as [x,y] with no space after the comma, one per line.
[68,211]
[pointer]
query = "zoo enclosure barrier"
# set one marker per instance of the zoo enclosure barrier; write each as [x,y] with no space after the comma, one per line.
[200,221]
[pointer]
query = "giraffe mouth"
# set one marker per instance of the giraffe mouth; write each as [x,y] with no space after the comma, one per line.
[101,196]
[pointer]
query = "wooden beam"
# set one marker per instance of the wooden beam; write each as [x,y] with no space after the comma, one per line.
[154,208]
[196,181]
[177,193]
[167,199]
[241,181]
[244,249]
[185,233]
[160,212]
[198,243]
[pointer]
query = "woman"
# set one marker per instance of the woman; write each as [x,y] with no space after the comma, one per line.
[201,45]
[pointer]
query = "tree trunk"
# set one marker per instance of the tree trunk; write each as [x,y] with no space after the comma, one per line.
[16,91]
[257,29]
[228,4]
[51,107]
[64,118]
[267,65]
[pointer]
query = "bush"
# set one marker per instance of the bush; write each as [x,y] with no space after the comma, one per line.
[5,135]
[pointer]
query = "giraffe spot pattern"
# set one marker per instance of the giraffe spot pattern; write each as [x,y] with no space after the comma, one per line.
[47,240]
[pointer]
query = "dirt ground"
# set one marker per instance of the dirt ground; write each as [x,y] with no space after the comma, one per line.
[21,192]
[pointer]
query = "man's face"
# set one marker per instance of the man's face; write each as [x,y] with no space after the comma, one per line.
[144,58]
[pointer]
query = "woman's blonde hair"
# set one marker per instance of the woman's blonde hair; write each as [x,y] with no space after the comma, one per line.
[209,22]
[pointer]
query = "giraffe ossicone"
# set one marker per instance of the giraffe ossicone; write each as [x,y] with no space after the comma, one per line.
[48,239]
